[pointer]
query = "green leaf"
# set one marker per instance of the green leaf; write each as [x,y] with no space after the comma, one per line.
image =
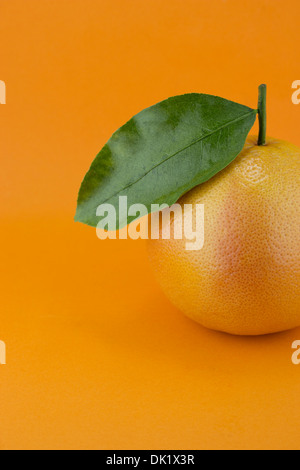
[163,152]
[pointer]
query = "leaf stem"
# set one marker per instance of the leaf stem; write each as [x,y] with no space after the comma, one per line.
[262,114]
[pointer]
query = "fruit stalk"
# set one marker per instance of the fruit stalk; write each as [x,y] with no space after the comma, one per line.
[262,114]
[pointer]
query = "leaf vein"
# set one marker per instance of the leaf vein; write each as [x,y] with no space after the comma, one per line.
[225,126]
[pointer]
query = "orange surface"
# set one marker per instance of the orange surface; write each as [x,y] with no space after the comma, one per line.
[96,356]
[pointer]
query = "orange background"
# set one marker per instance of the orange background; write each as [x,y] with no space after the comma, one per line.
[96,356]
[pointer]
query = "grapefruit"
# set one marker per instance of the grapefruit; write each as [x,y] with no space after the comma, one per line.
[246,278]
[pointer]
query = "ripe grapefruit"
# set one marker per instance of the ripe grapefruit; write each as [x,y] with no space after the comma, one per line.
[246,279]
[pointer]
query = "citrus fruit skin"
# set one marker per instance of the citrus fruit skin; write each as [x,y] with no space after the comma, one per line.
[246,278]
